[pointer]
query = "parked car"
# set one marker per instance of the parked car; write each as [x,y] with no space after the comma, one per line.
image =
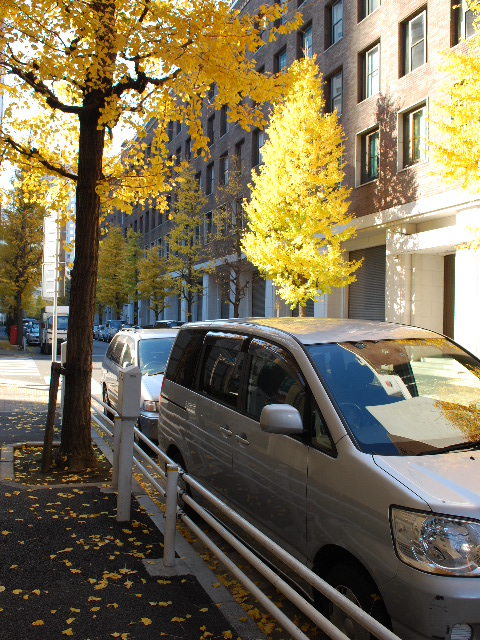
[149,350]
[95,330]
[33,336]
[111,328]
[100,332]
[167,324]
[353,445]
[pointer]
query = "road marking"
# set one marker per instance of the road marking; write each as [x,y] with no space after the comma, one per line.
[18,367]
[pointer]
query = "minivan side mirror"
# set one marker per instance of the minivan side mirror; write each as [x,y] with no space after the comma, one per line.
[282,419]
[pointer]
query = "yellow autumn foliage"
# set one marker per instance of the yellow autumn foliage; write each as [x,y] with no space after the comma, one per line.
[297,215]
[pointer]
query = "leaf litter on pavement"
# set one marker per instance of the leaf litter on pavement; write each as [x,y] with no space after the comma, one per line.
[70,569]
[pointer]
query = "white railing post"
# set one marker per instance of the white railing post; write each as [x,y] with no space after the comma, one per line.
[170,516]
[129,382]
[117,426]
[63,360]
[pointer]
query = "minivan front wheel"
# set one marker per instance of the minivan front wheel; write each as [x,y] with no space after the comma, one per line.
[356,585]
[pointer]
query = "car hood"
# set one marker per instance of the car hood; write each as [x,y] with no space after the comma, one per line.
[448,482]
[151,386]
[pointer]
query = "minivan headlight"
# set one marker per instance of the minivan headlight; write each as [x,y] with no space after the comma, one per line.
[435,543]
[150,405]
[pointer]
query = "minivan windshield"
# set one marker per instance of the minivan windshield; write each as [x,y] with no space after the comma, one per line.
[153,355]
[404,397]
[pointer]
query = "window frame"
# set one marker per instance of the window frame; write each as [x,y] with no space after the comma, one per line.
[210,179]
[333,24]
[258,136]
[405,153]
[211,130]
[461,24]
[330,96]
[366,8]
[278,57]
[223,173]
[407,40]
[370,78]
[363,154]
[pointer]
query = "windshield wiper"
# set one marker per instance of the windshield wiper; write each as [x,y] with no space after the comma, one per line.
[459,446]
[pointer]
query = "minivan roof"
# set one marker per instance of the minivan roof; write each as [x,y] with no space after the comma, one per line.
[321,330]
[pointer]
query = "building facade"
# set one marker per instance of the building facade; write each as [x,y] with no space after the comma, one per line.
[380,60]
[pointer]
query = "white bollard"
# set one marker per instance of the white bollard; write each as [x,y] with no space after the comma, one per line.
[170,516]
[129,383]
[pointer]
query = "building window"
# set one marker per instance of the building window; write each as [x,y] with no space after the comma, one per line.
[147,220]
[188,149]
[209,180]
[179,127]
[335,15]
[211,130]
[170,130]
[370,155]
[305,42]
[198,178]
[334,92]
[283,5]
[415,42]
[224,169]
[258,142]
[371,72]
[208,226]
[280,61]
[224,124]
[462,19]
[178,156]
[211,92]
[414,136]
[240,154]
[367,7]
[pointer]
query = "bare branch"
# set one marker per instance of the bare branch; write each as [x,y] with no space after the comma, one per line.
[32,154]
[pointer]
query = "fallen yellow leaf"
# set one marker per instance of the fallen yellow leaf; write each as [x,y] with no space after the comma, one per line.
[146,621]
[67,632]
[37,623]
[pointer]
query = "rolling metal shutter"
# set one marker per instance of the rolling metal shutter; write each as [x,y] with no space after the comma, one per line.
[366,296]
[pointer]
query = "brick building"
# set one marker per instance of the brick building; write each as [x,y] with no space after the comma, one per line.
[380,60]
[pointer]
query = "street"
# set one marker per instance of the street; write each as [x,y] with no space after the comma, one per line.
[32,369]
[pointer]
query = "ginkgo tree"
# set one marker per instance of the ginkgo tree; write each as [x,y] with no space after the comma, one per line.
[21,233]
[117,269]
[73,74]
[297,214]
[455,117]
[188,258]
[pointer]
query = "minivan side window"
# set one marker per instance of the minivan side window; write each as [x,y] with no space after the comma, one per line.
[221,369]
[182,363]
[321,438]
[127,357]
[274,378]
[115,349]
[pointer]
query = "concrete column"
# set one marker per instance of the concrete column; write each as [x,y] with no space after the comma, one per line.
[467,300]
[398,277]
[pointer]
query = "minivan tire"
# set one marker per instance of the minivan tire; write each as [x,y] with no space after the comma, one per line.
[356,584]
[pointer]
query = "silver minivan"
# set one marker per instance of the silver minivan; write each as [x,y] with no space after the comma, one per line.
[354,445]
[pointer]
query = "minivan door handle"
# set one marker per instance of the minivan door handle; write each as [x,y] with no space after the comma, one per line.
[243,438]
[225,429]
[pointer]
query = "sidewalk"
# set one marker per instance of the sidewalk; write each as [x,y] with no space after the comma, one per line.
[69,569]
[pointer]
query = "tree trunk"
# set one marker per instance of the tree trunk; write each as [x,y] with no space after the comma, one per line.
[302,311]
[76,443]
